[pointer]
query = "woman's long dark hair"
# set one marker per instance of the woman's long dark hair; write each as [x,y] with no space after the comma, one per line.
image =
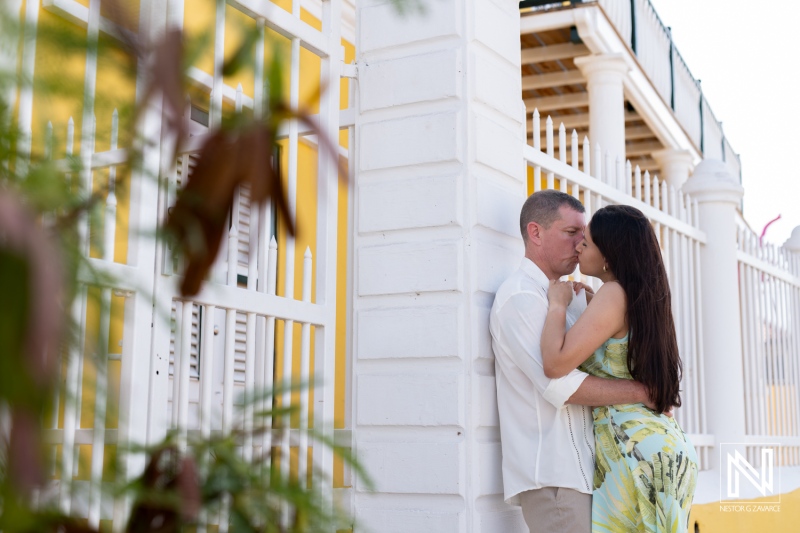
[628,243]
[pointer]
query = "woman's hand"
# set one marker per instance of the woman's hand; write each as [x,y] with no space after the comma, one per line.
[560,292]
[577,285]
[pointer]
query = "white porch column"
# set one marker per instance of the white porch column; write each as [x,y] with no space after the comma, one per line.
[718,194]
[675,165]
[604,75]
[439,183]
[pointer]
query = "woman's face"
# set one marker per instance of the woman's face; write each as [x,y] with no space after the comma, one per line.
[589,257]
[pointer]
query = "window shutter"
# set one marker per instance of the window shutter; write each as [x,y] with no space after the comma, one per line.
[242,219]
[174,344]
[241,348]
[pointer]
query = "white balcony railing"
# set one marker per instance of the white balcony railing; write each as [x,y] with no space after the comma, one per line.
[641,29]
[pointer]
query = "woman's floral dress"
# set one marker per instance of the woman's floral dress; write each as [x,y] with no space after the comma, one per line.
[645,467]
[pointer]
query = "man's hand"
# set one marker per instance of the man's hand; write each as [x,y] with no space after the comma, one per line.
[560,292]
[650,405]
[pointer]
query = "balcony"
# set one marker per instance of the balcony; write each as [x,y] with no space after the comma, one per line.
[664,103]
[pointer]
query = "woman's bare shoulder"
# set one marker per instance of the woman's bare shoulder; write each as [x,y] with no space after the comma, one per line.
[611,294]
[609,306]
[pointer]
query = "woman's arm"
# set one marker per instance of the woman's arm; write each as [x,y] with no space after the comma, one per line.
[605,317]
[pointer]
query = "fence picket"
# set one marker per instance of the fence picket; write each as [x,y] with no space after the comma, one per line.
[587,157]
[760,341]
[789,427]
[550,149]
[597,164]
[272,284]
[109,225]
[747,342]
[686,316]
[657,194]
[575,147]
[537,145]
[795,327]
[637,180]
[207,370]
[99,427]
[230,338]
[628,177]
[72,403]
[305,364]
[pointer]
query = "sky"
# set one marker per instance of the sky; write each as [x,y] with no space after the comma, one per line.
[745,54]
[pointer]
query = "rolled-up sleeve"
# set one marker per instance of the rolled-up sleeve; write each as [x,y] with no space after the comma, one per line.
[518,328]
[560,390]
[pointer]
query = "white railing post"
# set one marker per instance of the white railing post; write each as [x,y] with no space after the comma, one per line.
[793,243]
[718,193]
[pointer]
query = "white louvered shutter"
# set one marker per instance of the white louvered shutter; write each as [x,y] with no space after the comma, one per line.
[174,343]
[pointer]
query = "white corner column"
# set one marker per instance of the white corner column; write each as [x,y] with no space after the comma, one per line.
[439,183]
[718,194]
[675,165]
[604,75]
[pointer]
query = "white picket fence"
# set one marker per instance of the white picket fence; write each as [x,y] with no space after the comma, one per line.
[769,292]
[593,177]
[194,366]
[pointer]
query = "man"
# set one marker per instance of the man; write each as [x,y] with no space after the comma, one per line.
[546,427]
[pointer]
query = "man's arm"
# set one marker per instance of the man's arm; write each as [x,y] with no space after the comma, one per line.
[596,391]
[517,328]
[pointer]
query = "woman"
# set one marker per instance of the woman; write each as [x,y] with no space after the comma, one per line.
[645,467]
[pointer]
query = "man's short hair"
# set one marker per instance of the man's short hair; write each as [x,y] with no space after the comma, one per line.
[542,207]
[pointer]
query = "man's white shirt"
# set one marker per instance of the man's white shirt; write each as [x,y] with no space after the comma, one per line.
[545,442]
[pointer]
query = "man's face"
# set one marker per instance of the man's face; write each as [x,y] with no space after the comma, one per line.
[558,242]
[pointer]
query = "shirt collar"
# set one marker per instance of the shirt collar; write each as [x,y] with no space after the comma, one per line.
[533,271]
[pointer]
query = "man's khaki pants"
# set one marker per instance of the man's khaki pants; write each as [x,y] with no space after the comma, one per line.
[557,510]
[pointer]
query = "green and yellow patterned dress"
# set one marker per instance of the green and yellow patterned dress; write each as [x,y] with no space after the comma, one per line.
[645,467]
